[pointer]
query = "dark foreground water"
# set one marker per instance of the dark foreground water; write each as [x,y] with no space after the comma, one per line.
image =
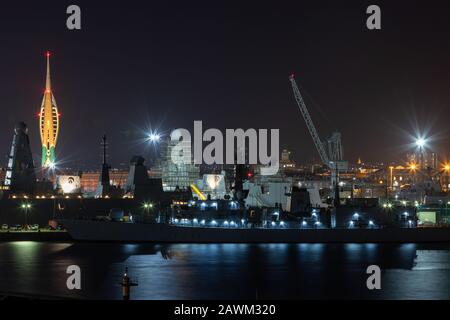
[228,271]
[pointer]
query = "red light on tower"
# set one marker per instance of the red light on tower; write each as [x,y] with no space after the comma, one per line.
[47,54]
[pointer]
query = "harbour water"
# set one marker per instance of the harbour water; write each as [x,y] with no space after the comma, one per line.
[227,271]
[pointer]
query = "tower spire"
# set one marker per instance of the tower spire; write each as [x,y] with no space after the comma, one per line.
[48,84]
[48,122]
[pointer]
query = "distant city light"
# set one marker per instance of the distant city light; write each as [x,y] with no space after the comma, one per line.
[420,142]
[351,223]
[281,223]
[154,137]
[370,223]
[304,223]
[273,223]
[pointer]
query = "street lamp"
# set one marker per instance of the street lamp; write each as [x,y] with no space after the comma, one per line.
[26,207]
[446,169]
[391,168]
[154,137]
[413,169]
[420,142]
[147,206]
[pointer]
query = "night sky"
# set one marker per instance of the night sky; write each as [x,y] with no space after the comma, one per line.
[164,64]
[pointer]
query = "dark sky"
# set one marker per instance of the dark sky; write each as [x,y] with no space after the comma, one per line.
[168,63]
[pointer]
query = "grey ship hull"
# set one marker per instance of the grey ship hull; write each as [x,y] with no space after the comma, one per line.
[88,230]
[43,210]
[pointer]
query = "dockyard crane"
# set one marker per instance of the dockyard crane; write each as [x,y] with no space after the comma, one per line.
[332,159]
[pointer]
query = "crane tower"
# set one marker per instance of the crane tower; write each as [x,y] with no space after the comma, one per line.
[333,158]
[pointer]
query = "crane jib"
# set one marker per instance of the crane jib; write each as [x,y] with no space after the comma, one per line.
[311,128]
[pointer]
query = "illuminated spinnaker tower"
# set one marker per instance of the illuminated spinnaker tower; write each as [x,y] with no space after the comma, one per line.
[48,122]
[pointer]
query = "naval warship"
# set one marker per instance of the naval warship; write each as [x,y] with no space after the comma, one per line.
[229,222]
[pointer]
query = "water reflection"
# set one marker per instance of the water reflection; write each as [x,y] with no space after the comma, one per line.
[224,271]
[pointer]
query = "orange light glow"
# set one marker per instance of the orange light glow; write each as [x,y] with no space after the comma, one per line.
[48,122]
